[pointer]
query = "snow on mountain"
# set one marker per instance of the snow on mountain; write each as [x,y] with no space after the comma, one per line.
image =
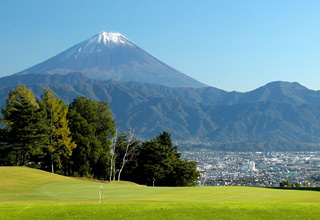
[110,38]
[112,56]
[98,43]
[103,40]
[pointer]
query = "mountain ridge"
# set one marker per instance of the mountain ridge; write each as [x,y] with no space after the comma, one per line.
[202,114]
[278,91]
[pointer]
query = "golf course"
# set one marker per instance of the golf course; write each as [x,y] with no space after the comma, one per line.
[27,193]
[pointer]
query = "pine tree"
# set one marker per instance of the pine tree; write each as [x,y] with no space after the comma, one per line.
[24,125]
[159,163]
[60,144]
[92,128]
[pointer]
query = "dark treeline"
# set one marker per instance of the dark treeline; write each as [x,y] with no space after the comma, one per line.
[80,139]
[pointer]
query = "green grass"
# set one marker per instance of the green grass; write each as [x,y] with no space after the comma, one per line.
[33,194]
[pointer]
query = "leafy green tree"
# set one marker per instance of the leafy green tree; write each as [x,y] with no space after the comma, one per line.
[60,143]
[92,127]
[24,124]
[297,184]
[153,163]
[285,183]
[185,173]
[160,163]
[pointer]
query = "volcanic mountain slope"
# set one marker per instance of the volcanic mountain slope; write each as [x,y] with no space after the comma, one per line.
[112,56]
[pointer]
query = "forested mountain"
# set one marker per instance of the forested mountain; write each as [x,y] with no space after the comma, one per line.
[282,92]
[276,112]
[151,96]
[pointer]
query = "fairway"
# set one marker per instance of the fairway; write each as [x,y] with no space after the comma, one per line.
[27,193]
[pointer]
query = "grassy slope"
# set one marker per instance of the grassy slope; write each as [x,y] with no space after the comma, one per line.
[32,194]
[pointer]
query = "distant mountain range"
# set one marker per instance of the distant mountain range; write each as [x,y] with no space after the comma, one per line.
[150,96]
[279,112]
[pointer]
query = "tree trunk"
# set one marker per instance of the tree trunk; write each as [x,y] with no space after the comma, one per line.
[110,177]
[114,171]
[112,152]
[120,172]
[17,158]
[123,163]
[52,164]
[124,159]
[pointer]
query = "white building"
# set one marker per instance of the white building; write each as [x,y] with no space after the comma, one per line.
[250,166]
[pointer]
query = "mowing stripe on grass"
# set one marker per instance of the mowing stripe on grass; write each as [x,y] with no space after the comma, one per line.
[43,194]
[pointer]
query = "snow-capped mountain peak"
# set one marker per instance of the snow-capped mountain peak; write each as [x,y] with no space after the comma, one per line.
[100,43]
[112,56]
[109,38]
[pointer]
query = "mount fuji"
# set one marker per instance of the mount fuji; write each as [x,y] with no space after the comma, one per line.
[112,56]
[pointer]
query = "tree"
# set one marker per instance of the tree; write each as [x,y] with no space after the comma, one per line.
[129,150]
[60,142]
[113,156]
[159,161]
[285,183]
[185,173]
[24,124]
[153,163]
[6,157]
[122,151]
[92,127]
[297,184]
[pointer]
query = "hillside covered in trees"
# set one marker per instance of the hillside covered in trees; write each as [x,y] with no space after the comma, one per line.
[277,116]
[81,139]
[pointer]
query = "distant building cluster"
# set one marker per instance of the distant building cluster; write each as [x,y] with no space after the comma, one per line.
[262,169]
[250,166]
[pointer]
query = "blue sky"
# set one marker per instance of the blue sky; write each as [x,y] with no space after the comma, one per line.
[230,44]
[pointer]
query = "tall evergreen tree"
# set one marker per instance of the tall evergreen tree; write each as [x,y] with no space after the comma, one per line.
[60,144]
[24,124]
[92,127]
[159,163]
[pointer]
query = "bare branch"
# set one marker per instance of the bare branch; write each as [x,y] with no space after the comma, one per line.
[112,153]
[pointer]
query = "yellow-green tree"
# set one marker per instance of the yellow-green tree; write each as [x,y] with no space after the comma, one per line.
[60,144]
